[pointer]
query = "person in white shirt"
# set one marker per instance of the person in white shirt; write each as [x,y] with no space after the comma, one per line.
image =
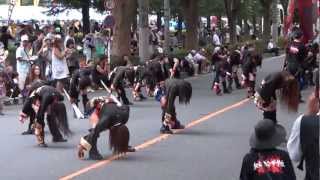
[298,140]
[60,71]
[272,48]
[23,58]
[215,38]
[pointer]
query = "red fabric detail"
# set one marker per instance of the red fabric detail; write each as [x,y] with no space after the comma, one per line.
[306,18]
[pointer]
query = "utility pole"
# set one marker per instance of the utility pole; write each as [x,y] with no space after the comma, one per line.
[166,26]
[143,30]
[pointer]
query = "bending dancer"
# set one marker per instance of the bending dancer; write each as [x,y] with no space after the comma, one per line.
[265,97]
[46,99]
[173,88]
[107,116]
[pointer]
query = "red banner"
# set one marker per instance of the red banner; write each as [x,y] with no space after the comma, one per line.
[289,18]
[306,18]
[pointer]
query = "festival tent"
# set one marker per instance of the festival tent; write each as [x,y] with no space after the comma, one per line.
[24,13]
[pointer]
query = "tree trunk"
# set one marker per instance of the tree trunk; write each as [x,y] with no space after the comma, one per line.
[86,16]
[124,13]
[144,53]
[266,24]
[180,21]
[166,8]
[191,15]
[231,7]
[208,23]
[254,24]
[275,20]
[159,21]
[232,29]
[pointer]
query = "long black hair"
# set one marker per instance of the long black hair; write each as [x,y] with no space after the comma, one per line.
[290,91]
[59,115]
[119,137]
[185,92]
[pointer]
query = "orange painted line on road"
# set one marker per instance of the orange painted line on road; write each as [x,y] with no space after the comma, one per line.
[153,141]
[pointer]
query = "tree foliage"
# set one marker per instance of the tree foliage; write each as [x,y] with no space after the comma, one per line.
[211,8]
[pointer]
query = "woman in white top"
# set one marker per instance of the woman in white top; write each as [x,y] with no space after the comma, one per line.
[60,71]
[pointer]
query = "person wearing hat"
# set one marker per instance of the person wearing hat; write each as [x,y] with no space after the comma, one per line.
[303,143]
[265,161]
[23,58]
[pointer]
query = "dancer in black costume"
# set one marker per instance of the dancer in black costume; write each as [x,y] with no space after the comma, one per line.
[109,116]
[117,77]
[46,99]
[173,88]
[265,97]
[79,83]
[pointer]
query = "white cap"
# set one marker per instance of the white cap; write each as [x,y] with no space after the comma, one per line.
[216,50]
[160,50]
[24,38]
[58,36]
[48,37]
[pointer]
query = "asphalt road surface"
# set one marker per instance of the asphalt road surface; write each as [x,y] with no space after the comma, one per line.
[211,148]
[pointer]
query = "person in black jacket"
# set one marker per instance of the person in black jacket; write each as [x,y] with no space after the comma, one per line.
[173,88]
[310,64]
[140,74]
[249,69]
[79,83]
[296,53]
[265,97]
[117,77]
[265,161]
[109,116]
[219,59]
[46,99]
[234,61]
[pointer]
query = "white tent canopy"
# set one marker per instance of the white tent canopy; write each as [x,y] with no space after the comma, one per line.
[23,13]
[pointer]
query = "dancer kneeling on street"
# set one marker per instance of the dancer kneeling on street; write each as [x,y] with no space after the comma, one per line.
[46,99]
[173,88]
[106,115]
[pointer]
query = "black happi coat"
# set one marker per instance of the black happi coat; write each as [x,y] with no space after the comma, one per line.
[160,72]
[172,90]
[248,67]
[119,74]
[295,61]
[47,95]
[109,115]
[266,165]
[79,81]
[269,85]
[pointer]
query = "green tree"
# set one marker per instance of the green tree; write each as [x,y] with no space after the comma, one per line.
[191,15]
[84,5]
[209,8]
